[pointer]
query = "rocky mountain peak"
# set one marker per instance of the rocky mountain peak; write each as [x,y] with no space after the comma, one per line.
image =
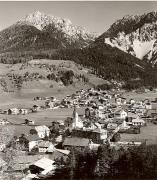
[40,20]
[43,21]
[134,34]
[39,30]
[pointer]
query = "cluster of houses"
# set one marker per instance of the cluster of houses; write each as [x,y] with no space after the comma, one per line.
[105,115]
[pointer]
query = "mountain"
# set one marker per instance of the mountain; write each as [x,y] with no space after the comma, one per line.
[41,31]
[40,36]
[110,63]
[136,35]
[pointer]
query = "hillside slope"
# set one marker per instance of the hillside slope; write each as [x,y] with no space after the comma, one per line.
[112,64]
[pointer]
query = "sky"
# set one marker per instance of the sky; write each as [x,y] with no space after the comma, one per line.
[96,16]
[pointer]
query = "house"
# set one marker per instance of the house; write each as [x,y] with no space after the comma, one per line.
[102,132]
[138,105]
[97,135]
[60,154]
[14,111]
[124,125]
[138,122]
[35,108]
[42,131]
[4,122]
[140,111]
[24,111]
[2,147]
[132,101]
[42,166]
[112,126]
[51,104]
[22,162]
[33,141]
[100,114]
[94,146]
[45,146]
[59,139]
[120,101]
[148,105]
[120,114]
[76,142]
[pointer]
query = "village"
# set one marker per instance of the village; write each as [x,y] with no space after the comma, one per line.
[106,116]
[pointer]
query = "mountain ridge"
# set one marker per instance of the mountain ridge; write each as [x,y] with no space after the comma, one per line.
[45,31]
[136,35]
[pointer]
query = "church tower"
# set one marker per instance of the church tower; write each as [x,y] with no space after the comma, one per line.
[77,123]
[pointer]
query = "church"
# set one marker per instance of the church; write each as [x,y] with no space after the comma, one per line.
[74,122]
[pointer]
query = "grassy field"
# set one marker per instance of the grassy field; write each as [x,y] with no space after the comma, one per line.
[40,118]
[41,87]
[148,133]
[141,96]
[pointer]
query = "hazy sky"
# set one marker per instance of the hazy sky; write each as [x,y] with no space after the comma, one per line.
[95,16]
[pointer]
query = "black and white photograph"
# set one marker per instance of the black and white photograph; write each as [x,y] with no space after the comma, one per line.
[78,90]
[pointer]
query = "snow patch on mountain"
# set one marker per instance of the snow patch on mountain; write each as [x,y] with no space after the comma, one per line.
[142,48]
[140,43]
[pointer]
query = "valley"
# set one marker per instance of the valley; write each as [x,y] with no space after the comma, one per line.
[75,104]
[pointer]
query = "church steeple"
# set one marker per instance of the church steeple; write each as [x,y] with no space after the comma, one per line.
[74,112]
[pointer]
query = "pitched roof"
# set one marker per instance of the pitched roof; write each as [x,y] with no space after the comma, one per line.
[98,130]
[42,128]
[26,159]
[45,144]
[63,151]
[74,141]
[44,163]
[138,120]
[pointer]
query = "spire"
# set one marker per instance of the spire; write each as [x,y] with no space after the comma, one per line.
[75,117]
[74,112]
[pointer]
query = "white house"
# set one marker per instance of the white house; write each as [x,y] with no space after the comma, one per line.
[148,106]
[118,101]
[51,104]
[124,125]
[43,146]
[132,101]
[100,114]
[138,122]
[112,126]
[33,141]
[3,122]
[24,111]
[2,147]
[121,101]
[121,114]
[45,165]
[15,111]
[42,131]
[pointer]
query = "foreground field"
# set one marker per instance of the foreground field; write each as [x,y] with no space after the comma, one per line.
[40,118]
[148,134]
[141,96]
